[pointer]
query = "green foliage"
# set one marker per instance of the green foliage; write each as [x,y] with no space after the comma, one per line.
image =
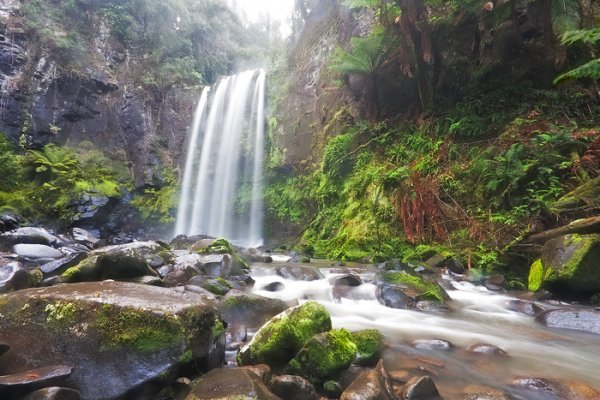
[364,56]
[590,69]
[159,204]
[9,165]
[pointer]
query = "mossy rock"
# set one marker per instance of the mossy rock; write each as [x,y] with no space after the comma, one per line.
[248,309]
[324,356]
[569,265]
[369,345]
[425,290]
[125,332]
[221,246]
[218,286]
[580,200]
[279,340]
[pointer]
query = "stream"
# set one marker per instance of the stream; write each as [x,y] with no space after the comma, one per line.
[479,316]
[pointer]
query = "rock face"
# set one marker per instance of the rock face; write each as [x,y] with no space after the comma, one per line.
[130,335]
[569,264]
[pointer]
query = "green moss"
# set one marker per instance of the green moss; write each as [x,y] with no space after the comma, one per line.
[219,246]
[186,357]
[429,290]
[277,342]
[369,344]
[536,276]
[34,277]
[218,328]
[324,356]
[60,313]
[137,329]
[84,271]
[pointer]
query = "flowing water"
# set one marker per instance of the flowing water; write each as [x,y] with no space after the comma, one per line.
[221,190]
[479,316]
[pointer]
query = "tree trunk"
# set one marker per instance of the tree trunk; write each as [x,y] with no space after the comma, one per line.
[582,226]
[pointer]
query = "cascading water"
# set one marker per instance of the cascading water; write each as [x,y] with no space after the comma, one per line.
[221,192]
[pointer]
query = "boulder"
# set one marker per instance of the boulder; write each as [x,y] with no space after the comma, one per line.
[369,345]
[114,262]
[273,287]
[350,279]
[324,356]
[13,277]
[234,383]
[586,320]
[249,309]
[403,290]
[53,393]
[293,387]
[298,272]
[369,385]
[128,334]
[278,341]
[84,237]
[569,265]
[62,264]
[488,349]
[216,265]
[28,235]
[36,251]
[432,344]
[15,385]
[557,388]
[420,388]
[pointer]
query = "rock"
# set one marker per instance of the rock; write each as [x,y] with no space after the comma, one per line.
[36,251]
[53,393]
[234,383]
[241,282]
[432,344]
[293,387]
[494,282]
[15,385]
[522,306]
[9,223]
[126,261]
[249,309]
[62,264]
[431,306]
[488,349]
[278,341]
[369,385]
[403,290]
[13,277]
[148,280]
[324,356]
[369,345]
[488,396]
[156,261]
[437,261]
[298,273]
[560,388]
[28,236]
[576,319]
[394,296]
[568,266]
[84,237]
[350,279]
[455,265]
[235,335]
[180,275]
[255,255]
[263,371]
[3,348]
[218,286]
[216,265]
[420,388]
[274,287]
[126,333]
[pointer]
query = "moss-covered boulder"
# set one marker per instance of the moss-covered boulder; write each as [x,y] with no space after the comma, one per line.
[223,247]
[369,345]
[128,334]
[581,200]
[115,262]
[324,356]
[569,265]
[251,310]
[410,291]
[279,340]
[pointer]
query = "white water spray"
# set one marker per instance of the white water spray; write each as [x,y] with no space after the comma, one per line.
[222,185]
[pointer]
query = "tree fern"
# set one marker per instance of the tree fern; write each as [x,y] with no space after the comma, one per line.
[565,15]
[587,36]
[589,70]
[364,57]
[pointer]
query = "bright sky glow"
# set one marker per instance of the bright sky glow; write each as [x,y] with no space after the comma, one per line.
[279,10]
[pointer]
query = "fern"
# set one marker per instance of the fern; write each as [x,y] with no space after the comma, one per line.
[565,15]
[587,36]
[360,3]
[364,57]
[589,70]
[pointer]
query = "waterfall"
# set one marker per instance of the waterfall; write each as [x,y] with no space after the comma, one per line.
[221,189]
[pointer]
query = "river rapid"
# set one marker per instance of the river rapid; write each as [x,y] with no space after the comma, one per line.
[478,316]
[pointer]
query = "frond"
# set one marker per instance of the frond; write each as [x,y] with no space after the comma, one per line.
[565,15]
[587,36]
[363,58]
[360,3]
[589,70]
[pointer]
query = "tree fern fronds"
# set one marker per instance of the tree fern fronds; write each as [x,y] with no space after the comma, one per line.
[589,70]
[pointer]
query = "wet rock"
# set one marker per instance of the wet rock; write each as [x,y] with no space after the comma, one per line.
[156,261]
[568,266]
[298,272]
[126,261]
[36,251]
[431,306]
[180,275]
[455,265]
[13,277]
[84,237]
[234,383]
[558,388]
[278,341]
[24,382]
[235,336]
[216,265]
[369,385]
[148,280]
[369,345]
[241,282]
[494,283]
[53,393]
[28,235]
[488,396]
[575,319]
[293,387]
[255,255]
[420,388]
[416,287]
[218,286]
[350,279]
[432,344]
[249,309]
[165,270]
[324,356]
[62,264]
[126,333]
[9,223]
[274,287]
[522,306]
[488,349]
[263,371]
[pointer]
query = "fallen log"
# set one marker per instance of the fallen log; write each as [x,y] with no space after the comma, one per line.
[580,226]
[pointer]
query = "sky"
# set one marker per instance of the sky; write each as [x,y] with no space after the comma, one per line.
[280,10]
